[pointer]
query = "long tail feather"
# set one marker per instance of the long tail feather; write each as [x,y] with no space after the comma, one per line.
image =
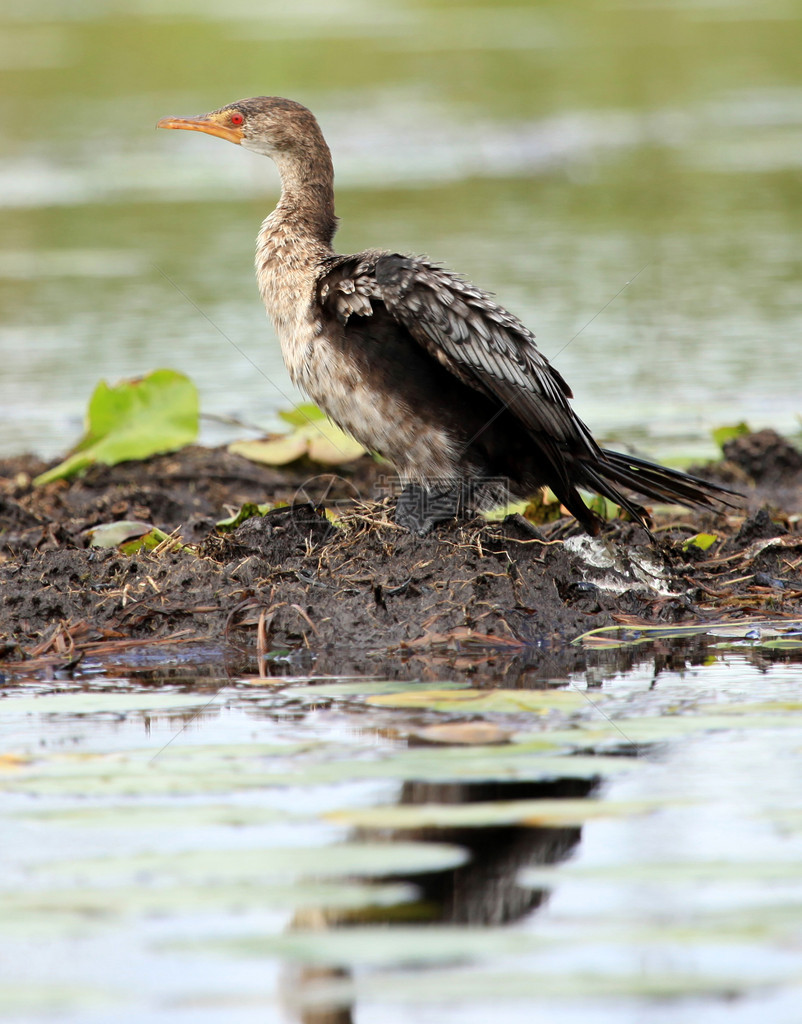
[653,481]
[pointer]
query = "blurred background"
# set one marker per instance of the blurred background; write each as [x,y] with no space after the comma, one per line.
[551,151]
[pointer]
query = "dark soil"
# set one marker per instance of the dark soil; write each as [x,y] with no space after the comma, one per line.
[292,579]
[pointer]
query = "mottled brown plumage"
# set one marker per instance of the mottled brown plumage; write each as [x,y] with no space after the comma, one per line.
[410,359]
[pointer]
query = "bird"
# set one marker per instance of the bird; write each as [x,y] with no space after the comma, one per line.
[415,362]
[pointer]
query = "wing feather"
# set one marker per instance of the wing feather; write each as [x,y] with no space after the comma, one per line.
[466,330]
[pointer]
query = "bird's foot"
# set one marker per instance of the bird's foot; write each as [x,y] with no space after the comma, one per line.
[419,508]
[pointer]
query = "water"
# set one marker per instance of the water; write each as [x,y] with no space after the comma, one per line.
[552,152]
[187,845]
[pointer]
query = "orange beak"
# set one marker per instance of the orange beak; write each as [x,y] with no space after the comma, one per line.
[209,124]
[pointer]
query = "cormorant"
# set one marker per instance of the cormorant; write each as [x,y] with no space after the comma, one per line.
[413,361]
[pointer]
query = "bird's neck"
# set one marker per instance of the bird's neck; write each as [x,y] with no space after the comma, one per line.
[305,212]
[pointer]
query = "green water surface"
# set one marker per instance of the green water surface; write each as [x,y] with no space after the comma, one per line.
[552,152]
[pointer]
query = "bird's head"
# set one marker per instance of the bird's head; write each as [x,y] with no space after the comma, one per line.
[269,125]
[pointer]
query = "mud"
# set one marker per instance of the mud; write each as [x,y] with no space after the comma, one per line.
[294,579]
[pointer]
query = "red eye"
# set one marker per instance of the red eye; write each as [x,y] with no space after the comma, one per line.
[236,117]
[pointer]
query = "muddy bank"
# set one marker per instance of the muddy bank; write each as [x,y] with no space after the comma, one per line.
[292,579]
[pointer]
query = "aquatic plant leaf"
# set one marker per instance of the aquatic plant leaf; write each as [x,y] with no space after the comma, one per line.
[635,635]
[30,1002]
[247,511]
[455,764]
[229,896]
[500,512]
[130,537]
[111,535]
[723,434]
[399,946]
[540,813]
[463,733]
[197,770]
[98,703]
[703,541]
[637,732]
[158,816]
[689,872]
[499,987]
[319,440]
[302,414]
[274,451]
[604,507]
[756,709]
[368,687]
[471,701]
[190,867]
[330,446]
[133,420]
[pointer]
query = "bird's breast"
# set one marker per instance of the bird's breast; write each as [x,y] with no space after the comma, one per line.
[349,379]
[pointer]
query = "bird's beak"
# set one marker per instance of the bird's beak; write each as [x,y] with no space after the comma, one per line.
[210,124]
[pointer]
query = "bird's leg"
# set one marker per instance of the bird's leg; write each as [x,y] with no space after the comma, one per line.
[418,507]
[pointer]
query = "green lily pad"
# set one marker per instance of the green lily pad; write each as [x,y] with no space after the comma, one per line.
[102,703]
[262,866]
[133,420]
[230,896]
[497,701]
[538,813]
[158,816]
[399,946]
[493,988]
[738,873]
[211,770]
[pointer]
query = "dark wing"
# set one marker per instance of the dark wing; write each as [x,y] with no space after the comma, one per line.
[466,331]
[491,351]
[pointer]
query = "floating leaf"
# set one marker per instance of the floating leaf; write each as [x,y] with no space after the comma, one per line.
[227,897]
[133,420]
[158,816]
[679,872]
[487,701]
[463,733]
[367,687]
[82,703]
[540,813]
[185,867]
[490,989]
[723,434]
[31,1002]
[211,770]
[374,945]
